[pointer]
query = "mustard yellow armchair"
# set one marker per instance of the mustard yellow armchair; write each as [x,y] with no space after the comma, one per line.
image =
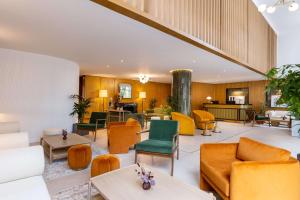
[186,124]
[249,170]
[201,117]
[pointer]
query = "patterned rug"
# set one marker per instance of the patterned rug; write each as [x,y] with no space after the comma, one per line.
[60,168]
[78,192]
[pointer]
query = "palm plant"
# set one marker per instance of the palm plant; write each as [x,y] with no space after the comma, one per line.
[80,106]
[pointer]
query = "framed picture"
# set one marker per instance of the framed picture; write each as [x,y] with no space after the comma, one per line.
[125,90]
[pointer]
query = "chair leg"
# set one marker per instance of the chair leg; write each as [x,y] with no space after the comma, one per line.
[95,135]
[172,167]
[135,157]
[178,153]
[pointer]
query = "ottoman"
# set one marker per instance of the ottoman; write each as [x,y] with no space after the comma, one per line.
[104,163]
[79,156]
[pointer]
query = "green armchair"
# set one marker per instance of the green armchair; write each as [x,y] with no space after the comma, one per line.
[97,121]
[163,140]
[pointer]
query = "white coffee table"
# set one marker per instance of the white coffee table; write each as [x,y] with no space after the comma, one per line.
[126,185]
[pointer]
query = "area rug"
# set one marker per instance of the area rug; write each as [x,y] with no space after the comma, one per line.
[60,168]
[77,192]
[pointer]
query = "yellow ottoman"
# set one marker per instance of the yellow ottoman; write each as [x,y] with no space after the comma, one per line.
[79,156]
[104,163]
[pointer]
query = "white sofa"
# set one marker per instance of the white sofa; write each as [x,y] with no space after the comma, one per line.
[21,168]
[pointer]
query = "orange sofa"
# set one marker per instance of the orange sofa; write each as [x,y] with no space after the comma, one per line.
[249,170]
[123,135]
[201,117]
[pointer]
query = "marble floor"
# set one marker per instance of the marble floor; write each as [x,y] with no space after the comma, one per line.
[187,167]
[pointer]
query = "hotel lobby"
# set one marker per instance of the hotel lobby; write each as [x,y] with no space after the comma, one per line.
[149,99]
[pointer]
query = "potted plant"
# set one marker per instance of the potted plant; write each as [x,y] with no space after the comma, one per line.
[80,106]
[286,79]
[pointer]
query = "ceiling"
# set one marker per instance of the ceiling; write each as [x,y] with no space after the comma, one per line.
[106,43]
[283,21]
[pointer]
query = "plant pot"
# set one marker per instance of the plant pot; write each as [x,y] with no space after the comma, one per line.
[295,128]
[146,185]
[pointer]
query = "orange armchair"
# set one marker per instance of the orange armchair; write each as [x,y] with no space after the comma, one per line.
[123,135]
[186,124]
[249,170]
[201,117]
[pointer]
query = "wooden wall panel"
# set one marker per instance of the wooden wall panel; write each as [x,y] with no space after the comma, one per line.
[199,93]
[95,83]
[258,39]
[272,48]
[234,28]
[256,92]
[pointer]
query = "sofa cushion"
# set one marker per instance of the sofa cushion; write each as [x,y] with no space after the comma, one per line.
[251,150]
[218,172]
[33,188]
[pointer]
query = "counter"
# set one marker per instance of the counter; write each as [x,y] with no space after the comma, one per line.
[227,111]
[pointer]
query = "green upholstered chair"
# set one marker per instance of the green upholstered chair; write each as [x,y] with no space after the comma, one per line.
[252,116]
[97,121]
[163,140]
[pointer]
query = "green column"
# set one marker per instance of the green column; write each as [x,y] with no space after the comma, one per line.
[181,90]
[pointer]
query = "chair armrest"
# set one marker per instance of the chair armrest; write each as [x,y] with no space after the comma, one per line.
[265,180]
[145,131]
[218,151]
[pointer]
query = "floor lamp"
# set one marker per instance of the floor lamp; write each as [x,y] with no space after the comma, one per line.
[142,96]
[103,94]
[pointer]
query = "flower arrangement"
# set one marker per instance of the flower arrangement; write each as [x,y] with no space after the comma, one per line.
[146,177]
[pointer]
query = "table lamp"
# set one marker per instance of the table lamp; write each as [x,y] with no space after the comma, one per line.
[209,99]
[142,96]
[103,94]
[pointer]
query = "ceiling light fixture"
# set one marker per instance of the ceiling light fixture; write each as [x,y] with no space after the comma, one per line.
[292,6]
[144,78]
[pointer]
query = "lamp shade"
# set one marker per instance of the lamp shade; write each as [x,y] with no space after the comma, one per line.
[103,93]
[142,95]
[208,98]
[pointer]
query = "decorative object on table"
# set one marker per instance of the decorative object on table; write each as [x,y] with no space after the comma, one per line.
[290,4]
[103,94]
[286,79]
[80,106]
[125,90]
[144,78]
[65,134]
[146,177]
[142,96]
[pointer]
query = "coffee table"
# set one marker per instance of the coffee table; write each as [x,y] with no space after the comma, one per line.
[56,148]
[126,185]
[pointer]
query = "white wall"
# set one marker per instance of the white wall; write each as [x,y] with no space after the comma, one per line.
[34,90]
[289,48]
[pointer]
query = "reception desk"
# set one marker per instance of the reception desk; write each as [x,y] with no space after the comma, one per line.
[227,111]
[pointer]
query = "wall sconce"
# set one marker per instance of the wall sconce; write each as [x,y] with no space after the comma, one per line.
[142,95]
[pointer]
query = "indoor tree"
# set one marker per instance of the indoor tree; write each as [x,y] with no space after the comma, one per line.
[80,106]
[286,79]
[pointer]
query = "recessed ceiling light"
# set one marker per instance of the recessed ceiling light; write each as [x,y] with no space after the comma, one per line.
[194,61]
[107,66]
[122,61]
